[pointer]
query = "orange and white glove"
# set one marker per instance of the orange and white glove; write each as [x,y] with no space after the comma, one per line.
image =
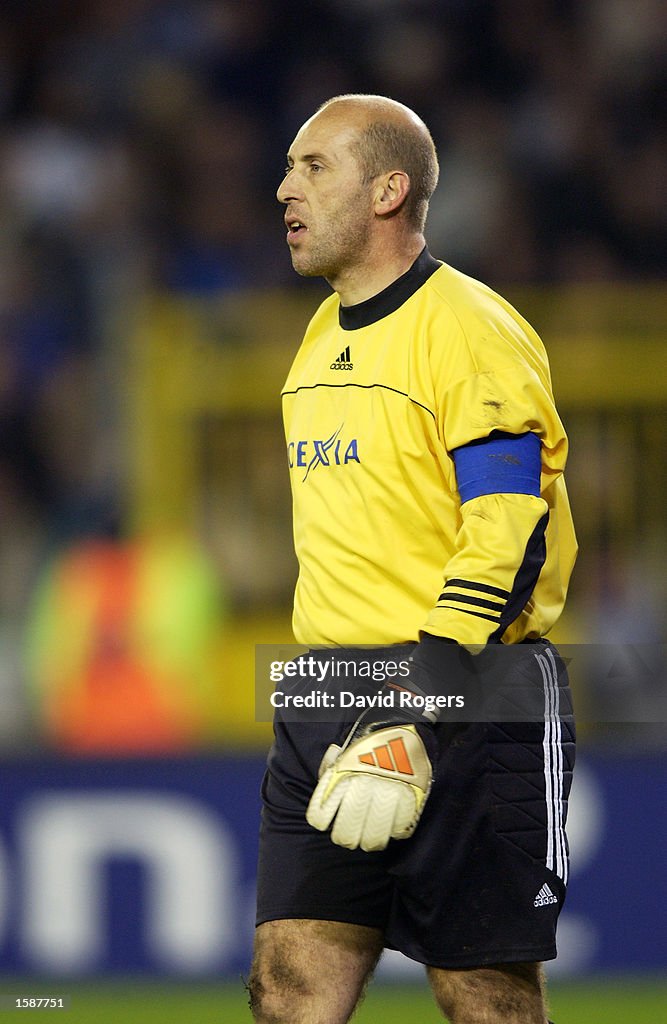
[375,787]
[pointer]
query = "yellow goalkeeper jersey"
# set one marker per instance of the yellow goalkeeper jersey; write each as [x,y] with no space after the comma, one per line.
[380,398]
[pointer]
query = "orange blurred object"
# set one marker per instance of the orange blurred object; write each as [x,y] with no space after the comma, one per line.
[120,647]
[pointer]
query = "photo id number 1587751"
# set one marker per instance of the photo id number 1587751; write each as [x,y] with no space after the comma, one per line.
[34,1002]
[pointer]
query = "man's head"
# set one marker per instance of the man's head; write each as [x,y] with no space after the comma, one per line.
[360,174]
[390,136]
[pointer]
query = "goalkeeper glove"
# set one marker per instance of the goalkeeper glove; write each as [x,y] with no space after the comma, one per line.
[376,784]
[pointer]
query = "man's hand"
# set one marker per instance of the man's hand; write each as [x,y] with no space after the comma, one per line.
[375,786]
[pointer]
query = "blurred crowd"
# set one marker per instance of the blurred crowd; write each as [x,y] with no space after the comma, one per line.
[141,143]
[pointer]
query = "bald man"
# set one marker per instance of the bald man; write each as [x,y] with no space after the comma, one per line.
[430,521]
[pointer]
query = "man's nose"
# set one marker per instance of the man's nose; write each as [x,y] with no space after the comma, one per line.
[289,187]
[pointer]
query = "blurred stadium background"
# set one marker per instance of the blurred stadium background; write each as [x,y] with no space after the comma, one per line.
[148,314]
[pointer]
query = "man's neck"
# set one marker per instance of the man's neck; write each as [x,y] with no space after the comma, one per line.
[375,273]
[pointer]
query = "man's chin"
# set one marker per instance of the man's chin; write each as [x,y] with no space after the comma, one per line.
[305,269]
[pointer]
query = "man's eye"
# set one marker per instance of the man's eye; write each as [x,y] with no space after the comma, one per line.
[316,167]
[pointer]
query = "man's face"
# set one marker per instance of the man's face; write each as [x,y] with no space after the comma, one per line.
[329,211]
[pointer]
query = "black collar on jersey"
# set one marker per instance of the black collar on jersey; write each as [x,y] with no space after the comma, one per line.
[351,318]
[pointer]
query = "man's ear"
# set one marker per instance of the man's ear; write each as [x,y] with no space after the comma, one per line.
[390,192]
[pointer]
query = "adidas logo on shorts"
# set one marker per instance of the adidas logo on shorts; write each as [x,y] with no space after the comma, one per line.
[343,362]
[544,897]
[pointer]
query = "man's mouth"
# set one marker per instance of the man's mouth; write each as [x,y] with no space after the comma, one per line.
[295,228]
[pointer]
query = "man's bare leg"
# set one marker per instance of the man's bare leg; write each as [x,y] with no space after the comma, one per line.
[502,994]
[310,972]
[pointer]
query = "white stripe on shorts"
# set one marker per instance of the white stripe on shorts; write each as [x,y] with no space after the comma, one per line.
[553,767]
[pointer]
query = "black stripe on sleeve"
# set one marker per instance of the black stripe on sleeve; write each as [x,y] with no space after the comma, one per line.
[479,602]
[469,611]
[526,577]
[483,587]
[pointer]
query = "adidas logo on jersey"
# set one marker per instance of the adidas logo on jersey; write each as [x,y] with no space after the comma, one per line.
[343,362]
[544,897]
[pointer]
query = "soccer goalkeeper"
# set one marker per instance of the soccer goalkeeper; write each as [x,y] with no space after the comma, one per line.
[430,519]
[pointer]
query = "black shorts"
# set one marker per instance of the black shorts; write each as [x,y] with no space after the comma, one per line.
[483,878]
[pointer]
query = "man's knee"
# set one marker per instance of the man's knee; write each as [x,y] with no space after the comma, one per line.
[276,984]
[268,1002]
[498,994]
[287,984]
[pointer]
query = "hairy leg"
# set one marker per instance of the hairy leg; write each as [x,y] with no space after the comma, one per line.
[310,972]
[501,994]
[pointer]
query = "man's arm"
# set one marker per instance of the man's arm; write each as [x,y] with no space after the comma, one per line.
[501,545]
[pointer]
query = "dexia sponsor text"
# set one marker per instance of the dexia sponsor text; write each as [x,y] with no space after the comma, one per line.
[325,453]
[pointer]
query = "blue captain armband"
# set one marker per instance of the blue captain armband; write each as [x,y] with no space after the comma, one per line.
[499,464]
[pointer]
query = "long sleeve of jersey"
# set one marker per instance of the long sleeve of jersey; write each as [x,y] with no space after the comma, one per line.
[506,535]
[489,582]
